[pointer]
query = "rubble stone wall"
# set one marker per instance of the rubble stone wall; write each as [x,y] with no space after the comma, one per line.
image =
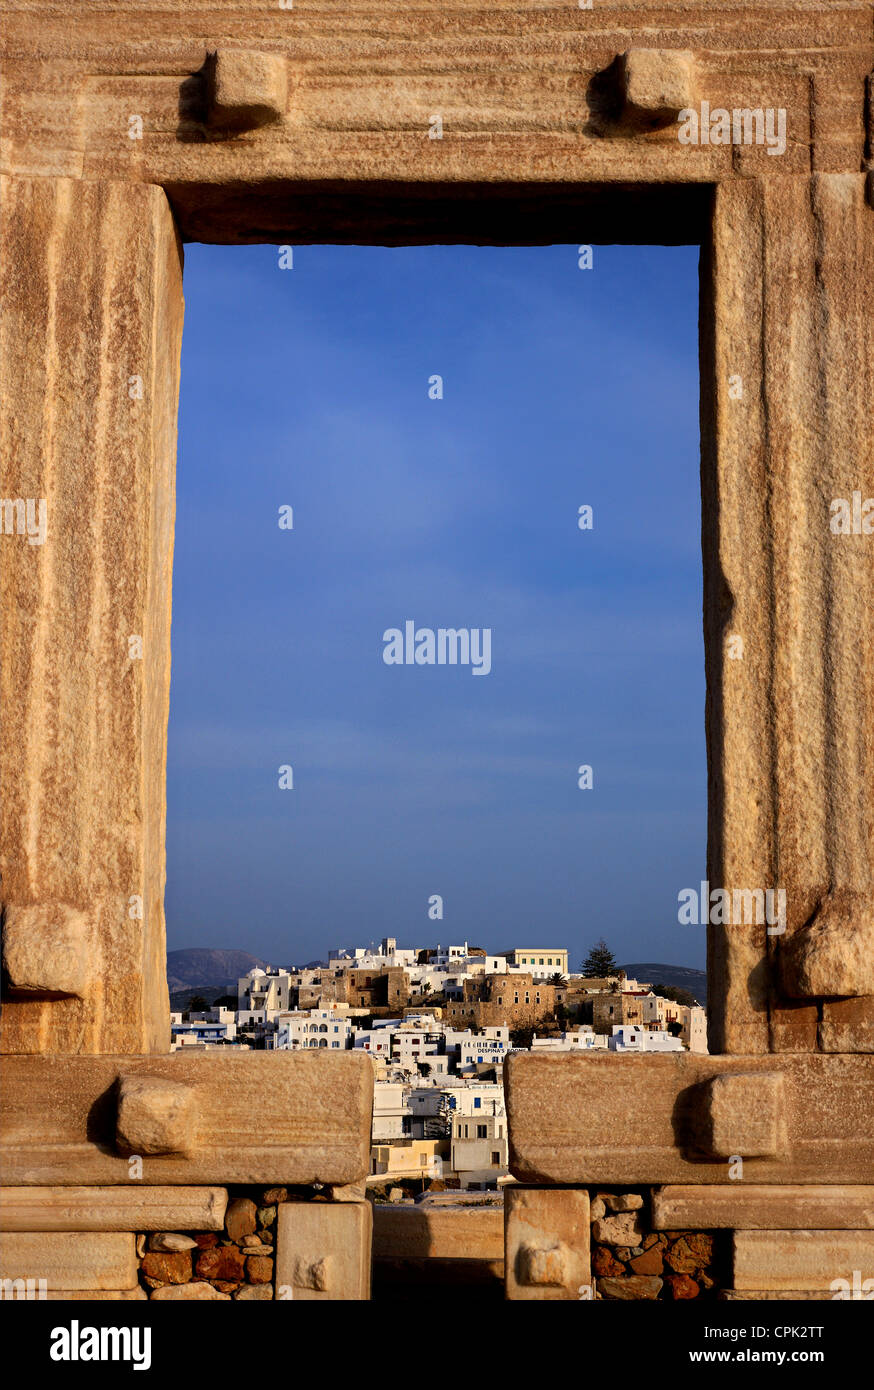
[630,1260]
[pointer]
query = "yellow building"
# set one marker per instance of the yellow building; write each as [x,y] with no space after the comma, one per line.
[412,1158]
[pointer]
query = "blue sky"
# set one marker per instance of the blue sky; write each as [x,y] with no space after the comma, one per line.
[562,387]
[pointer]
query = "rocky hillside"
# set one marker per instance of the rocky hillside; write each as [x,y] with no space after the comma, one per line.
[207,969]
[680,976]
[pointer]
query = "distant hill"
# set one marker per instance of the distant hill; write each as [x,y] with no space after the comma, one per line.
[204,969]
[680,976]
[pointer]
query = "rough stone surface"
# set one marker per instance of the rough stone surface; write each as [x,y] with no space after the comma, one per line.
[353,1191]
[606,1265]
[657,83]
[167,1267]
[171,1241]
[625,1201]
[112,1208]
[136,1295]
[515,105]
[546,1243]
[155,1116]
[801,676]
[246,88]
[847,1025]
[259,1269]
[47,949]
[248,1292]
[313,1118]
[240,1218]
[617,1230]
[323,1250]
[650,1262]
[197,1292]
[834,956]
[222,1262]
[788,287]
[444,1232]
[689,1253]
[82,814]
[741,1205]
[786,1296]
[682,1286]
[741,1114]
[633,1287]
[70,1259]
[828,1112]
[806,1260]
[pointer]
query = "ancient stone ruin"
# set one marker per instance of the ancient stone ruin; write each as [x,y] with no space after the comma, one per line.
[128,131]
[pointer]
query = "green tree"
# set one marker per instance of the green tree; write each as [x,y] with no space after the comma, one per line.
[197,1004]
[600,961]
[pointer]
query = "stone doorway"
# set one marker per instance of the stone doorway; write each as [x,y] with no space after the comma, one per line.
[117,150]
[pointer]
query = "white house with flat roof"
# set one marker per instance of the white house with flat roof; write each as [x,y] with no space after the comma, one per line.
[539,961]
[631,1037]
[323,1028]
[481,1051]
[202,1030]
[582,1039]
[479,1150]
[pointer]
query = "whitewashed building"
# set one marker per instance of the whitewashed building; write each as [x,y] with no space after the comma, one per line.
[325,1028]
[631,1037]
[479,1150]
[582,1039]
[265,991]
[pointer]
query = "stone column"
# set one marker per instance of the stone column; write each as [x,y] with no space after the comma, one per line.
[787,381]
[89,359]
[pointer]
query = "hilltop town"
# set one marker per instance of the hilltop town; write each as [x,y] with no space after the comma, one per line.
[437,1023]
